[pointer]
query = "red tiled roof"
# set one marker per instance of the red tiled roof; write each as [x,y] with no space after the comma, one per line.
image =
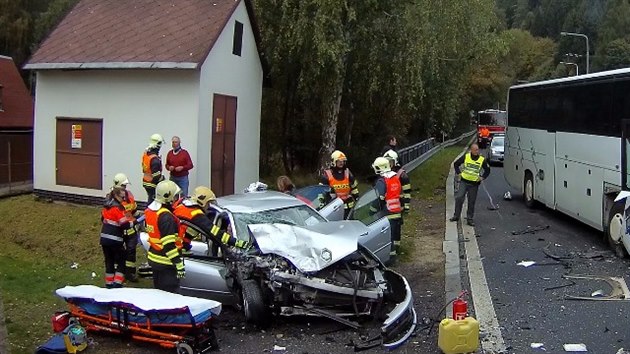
[135,33]
[17,104]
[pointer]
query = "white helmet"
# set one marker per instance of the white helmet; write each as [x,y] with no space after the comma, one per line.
[203,195]
[337,156]
[166,192]
[391,155]
[156,140]
[381,165]
[120,180]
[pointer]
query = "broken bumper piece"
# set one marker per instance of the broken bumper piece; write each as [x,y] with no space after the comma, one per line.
[402,320]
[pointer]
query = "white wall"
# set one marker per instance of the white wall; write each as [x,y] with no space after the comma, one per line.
[133,105]
[231,75]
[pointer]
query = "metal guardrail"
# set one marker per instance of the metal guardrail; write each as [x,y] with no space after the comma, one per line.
[428,148]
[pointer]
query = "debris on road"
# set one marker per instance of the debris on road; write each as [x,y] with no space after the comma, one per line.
[526,263]
[598,293]
[540,346]
[530,230]
[74,265]
[277,348]
[560,286]
[579,347]
[618,285]
[507,196]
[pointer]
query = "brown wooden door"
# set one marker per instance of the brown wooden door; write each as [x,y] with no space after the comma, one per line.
[79,153]
[223,144]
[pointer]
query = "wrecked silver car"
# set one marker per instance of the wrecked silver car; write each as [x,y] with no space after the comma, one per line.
[300,264]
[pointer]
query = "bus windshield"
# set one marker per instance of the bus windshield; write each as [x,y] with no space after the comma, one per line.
[492,118]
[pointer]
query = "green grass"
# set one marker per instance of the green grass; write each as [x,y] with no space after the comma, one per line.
[40,241]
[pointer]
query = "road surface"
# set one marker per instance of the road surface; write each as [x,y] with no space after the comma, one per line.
[530,302]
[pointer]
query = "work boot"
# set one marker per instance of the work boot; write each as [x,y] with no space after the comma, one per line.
[470,222]
[132,277]
[454,218]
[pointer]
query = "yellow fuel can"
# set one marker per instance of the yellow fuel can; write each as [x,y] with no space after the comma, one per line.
[458,336]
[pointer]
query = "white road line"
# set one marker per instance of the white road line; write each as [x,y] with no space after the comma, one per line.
[493,341]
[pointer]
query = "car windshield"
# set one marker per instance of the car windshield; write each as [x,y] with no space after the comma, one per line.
[498,142]
[300,215]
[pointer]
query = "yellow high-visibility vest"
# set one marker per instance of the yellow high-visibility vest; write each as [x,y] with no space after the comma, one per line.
[472,168]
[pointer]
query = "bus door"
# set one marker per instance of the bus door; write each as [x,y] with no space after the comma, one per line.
[625,154]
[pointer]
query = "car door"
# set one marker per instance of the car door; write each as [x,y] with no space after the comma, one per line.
[334,210]
[369,210]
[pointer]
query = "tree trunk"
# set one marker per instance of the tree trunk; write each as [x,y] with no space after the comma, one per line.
[285,129]
[329,128]
[350,124]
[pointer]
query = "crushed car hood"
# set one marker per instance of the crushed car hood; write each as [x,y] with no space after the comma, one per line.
[310,248]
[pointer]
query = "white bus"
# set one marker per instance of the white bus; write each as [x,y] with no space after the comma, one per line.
[566,148]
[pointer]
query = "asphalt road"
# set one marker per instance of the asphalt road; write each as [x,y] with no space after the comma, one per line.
[528,309]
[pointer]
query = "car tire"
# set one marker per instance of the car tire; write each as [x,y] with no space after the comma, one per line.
[615,219]
[253,301]
[528,190]
[184,348]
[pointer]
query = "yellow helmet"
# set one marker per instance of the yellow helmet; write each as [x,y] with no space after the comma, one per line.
[120,180]
[166,192]
[337,156]
[381,165]
[156,140]
[392,156]
[202,196]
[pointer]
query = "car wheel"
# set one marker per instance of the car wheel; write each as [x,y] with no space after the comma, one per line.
[614,230]
[183,348]
[528,190]
[254,308]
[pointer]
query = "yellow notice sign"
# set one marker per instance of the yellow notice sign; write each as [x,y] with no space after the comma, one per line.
[77,136]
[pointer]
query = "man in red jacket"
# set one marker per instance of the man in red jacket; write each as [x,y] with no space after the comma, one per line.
[178,162]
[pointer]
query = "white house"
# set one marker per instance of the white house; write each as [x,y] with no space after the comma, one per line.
[114,72]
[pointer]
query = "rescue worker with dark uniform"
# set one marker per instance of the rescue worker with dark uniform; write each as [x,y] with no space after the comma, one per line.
[192,213]
[475,170]
[165,244]
[131,234]
[405,196]
[389,189]
[341,181]
[152,166]
[115,223]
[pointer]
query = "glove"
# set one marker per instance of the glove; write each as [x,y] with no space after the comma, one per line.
[130,231]
[181,274]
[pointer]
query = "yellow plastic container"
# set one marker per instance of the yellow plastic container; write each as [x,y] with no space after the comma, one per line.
[456,337]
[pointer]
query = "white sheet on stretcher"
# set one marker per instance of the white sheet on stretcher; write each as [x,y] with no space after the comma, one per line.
[144,299]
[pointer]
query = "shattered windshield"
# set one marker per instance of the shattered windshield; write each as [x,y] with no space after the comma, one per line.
[300,215]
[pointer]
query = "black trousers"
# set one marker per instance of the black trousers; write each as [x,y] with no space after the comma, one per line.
[114,258]
[165,277]
[150,194]
[470,189]
[396,226]
[131,242]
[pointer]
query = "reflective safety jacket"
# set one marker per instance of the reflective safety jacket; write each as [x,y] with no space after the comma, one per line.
[115,222]
[388,188]
[472,168]
[151,168]
[342,184]
[405,196]
[163,227]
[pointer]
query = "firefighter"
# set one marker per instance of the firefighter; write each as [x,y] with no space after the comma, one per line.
[475,170]
[341,181]
[389,189]
[152,166]
[162,226]
[115,222]
[192,213]
[405,196]
[131,234]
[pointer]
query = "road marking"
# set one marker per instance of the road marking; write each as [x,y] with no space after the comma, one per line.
[493,341]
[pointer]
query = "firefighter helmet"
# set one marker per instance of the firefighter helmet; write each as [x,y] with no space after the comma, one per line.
[381,165]
[202,196]
[337,156]
[392,156]
[166,192]
[156,140]
[120,180]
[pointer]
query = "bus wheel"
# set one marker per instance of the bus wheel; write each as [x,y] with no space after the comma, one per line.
[614,230]
[528,190]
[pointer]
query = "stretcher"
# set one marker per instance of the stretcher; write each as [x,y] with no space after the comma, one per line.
[170,320]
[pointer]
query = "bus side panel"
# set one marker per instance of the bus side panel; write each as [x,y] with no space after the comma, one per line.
[532,150]
[590,161]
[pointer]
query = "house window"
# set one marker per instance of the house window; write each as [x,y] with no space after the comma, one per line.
[238,38]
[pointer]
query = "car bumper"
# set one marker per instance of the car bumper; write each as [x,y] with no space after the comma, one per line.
[496,157]
[402,320]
